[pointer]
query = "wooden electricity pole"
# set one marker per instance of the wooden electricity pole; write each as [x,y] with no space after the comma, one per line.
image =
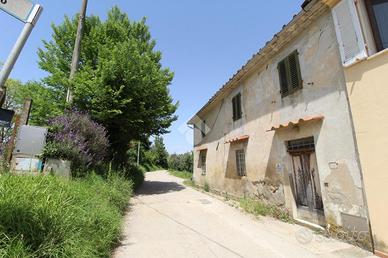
[77,48]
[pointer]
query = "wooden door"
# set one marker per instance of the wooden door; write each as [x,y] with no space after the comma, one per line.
[306,180]
[305,177]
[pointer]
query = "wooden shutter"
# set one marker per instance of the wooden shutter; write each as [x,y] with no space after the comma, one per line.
[234,102]
[237,110]
[283,78]
[295,78]
[349,34]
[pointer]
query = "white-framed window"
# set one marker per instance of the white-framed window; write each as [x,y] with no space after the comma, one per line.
[240,162]
[349,33]
[377,11]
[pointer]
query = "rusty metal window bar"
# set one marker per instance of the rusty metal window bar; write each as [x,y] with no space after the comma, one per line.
[203,155]
[240,162]
[203,129]
[305,144]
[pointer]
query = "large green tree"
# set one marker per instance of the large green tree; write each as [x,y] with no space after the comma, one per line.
[160,152]
[120,83]
[46,104]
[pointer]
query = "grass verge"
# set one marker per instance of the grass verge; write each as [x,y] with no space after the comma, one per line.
[259,208]
[56,217]
[181,174]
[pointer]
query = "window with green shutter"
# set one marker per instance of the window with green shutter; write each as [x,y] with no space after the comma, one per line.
[289,74]
[237,110]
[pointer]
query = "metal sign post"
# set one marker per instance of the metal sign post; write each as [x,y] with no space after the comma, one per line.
[28,13]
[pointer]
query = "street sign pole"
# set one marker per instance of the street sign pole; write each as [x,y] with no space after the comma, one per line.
[17,48]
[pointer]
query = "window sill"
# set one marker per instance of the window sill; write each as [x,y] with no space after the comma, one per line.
[292,93]
[371,57]
[380,53]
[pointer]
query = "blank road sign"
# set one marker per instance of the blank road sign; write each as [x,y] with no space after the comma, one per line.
[20,9]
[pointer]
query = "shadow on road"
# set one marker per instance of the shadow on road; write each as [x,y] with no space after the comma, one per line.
[156,187]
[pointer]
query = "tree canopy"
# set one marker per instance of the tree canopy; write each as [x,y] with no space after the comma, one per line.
[120,83]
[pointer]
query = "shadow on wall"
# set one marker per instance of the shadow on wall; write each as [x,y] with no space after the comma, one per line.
[155,187]
[271,188]
[231,167]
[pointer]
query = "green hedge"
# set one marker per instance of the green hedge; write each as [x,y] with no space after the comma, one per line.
[55,217]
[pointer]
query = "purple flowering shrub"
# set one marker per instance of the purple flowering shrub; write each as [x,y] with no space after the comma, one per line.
[75,137]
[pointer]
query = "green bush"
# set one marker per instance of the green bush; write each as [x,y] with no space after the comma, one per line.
[134,173]
[56,217]
[76,137]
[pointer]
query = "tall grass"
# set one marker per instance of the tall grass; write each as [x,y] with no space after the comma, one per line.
[259,208]
[56,217]
[181,174]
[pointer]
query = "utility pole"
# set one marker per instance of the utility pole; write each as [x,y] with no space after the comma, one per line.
[77,48]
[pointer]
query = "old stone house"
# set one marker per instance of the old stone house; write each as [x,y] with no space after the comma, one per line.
[281,128]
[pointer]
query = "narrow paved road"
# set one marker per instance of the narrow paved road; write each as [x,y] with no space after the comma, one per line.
[168,219]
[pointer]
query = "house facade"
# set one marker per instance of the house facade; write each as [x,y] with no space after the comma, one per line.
[281,128]
[362,34]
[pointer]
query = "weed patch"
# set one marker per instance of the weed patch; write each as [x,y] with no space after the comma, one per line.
[259,208]
[190,183]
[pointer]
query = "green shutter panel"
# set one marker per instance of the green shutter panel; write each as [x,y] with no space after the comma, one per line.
[295,77]
[283,77]
[239,111]
[234,109]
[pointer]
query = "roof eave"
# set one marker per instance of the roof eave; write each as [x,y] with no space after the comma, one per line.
[289,32]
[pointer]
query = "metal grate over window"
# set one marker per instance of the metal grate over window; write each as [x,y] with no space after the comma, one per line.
[240,162]
[203,155]
[305,144]
[203,129]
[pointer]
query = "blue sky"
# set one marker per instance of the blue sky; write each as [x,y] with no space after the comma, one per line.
[203,42]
